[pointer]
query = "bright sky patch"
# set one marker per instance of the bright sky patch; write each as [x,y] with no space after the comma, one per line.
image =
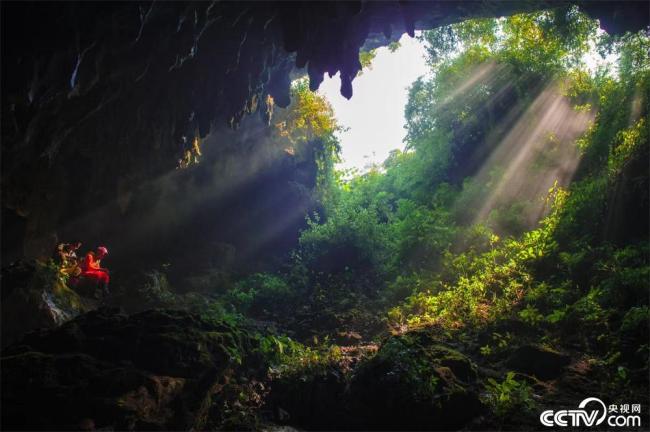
[374,117]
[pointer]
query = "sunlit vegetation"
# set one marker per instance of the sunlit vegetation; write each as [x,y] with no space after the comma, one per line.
[508,205]
[308,124]
[411,221]
[308,117]
[191,155]
[366,58]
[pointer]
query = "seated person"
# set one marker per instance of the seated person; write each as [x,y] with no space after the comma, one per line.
[59,254]
[92,272]
[70,261]
[71,250]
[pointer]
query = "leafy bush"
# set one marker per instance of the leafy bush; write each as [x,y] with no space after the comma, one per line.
[260,292]
[157,290]
[351,237]
[634,318]
[508,396]
[288,357]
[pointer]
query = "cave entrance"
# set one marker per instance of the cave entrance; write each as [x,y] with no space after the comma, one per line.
[374,118]
[498,130]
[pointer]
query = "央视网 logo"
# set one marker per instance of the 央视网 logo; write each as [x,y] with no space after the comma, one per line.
[593,412]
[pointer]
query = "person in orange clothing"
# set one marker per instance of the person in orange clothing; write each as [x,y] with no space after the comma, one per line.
[91,269]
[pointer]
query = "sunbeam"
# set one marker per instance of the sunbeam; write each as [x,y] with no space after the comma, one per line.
[153,211]
[538,151]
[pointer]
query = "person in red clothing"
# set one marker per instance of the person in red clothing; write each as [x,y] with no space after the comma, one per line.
[92,271]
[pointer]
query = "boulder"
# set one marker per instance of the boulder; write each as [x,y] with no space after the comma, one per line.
[312,400]
[415,382]
[544,363]
[34,295]
[156,370]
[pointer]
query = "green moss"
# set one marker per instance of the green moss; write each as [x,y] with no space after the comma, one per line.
[67,296]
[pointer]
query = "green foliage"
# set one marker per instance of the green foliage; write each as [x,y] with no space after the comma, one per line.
[547,40]
[417,372]
[366,58]
[531,315]
[509,396]
[352,236]
[309,116]
[535,42]
[309,125]
[393,46]
[423,234]
[627,142]
[402,287]
[213,311]
[635,317]
[288,357]
[48,277]
[260,292]
[446,40]
[500,343]
[156,289]
[623,273]
[477,286]
[634,63]
[413,223]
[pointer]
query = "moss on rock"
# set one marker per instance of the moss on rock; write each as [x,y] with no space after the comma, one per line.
[415,382]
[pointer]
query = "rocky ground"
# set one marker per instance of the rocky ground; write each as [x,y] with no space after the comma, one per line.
[106,370]
[102,369]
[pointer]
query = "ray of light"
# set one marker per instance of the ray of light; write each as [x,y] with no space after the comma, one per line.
[175,196]
[536,152]
[484,73]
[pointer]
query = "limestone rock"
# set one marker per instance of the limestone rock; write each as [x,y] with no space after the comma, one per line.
[34,296]
[414,382]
